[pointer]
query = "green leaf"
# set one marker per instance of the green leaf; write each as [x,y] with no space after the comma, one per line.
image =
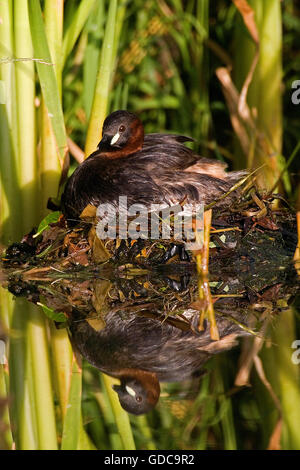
[76,26]
[46,74]
[55,316]
[49,219]
[103,83]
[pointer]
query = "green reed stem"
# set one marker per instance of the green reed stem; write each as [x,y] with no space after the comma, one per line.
[227,421]
[264,94]
[121,417]
[143,426]
[6,440]
[40,398]
[95,32]
[25,87]
[82,13]
[21,389]
[62,364]
[105,71]
[50,165]
[72,421]
[47,77]
[84,442]
[108,417]
[44,402]
[10,210]
[287,378]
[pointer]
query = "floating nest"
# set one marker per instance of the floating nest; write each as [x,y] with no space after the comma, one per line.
[251,223]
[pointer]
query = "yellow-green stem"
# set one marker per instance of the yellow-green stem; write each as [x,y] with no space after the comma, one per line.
[121,417]
[44,401]
[264,94]
[100,102]
[50,166]
[25,86]
[10,210]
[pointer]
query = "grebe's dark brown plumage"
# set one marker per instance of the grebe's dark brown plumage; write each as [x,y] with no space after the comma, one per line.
[153,168]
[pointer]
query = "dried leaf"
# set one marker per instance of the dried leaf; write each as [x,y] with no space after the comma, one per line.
[200,304]
[99,252]
[297,252]
[239,123]
[101,290]
[89,212]
[76,151]
[226,343]
[268,223]
[274,442]
[97,323]
[248,15]
[250,349]
[240,114]
[272,293]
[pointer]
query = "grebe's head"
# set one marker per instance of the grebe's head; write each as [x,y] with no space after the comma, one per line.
[122,134]
[138,391]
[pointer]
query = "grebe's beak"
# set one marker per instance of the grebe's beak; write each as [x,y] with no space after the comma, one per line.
[115,139]
[106,139]
[121,390]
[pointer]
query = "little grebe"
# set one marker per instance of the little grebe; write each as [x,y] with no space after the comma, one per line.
[153,168]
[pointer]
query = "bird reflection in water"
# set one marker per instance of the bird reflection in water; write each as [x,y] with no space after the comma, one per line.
[144,330]
[142,346]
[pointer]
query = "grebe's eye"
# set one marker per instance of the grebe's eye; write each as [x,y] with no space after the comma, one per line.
[122,128]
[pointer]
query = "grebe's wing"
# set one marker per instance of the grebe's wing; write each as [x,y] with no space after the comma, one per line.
[178,186]
[162,152]
[154,139]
